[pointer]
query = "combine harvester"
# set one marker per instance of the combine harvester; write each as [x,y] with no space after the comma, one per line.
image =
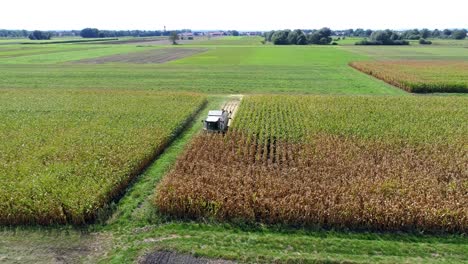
[220,120]
[217,121]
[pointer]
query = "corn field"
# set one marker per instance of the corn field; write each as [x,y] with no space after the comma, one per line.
[347,162]
[420,76]
[64,155]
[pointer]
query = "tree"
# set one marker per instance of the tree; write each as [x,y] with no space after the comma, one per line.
[459,34]
[301,39]
[321,37]
[393,35]
[313,38]
[235,33]
[359,33]
[425,33]
[39,35]
[269,35]
[349,32]
[89,33]
[280,37]
[436,33]
[384,37]
[293,35]
[297,37]
[425,42]
[411,34]
[446,33]
[174,37]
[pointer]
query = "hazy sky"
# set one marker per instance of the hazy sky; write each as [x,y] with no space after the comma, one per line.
[237,14]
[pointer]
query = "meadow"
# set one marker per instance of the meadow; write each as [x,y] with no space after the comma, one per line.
[12,51]
[339,162]
[66,154]
[312,70]
[61,53]
[227,41]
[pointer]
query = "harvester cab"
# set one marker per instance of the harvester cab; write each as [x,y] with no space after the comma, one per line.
[217,121]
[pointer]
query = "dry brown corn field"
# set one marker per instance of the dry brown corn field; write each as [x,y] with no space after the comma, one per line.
[348,162]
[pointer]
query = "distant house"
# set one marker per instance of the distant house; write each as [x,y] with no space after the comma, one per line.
[216,34]
[186,35]
[253,33]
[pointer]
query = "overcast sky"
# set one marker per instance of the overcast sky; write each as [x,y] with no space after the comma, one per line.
[235,14]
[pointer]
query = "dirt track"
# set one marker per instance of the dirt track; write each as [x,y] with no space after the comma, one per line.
[167,257]
[232,105]
[144,57]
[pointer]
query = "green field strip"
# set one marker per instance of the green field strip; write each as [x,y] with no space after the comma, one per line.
[66,56]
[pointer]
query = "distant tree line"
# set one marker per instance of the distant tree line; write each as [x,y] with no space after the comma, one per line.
[299,37]
[40,35]
[96,33]
[416,34]
[384,37]
[363,33]
[390,37]
[33,35]
[4,33]
[411,34]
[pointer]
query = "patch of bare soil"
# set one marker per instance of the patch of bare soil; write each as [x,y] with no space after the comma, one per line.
[54,248]
[143,57]
[168,257]
[150,41]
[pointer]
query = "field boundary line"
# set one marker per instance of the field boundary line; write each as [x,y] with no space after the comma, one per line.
[107,212]
[144,183]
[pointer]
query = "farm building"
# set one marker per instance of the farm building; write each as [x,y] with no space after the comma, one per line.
[216,34]
[186,35]
[253,33]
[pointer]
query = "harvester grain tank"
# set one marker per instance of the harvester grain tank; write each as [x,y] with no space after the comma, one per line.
[216,121]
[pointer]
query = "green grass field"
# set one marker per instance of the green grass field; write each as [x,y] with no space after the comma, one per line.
[230,41]
[312,70]
[349,41]
[14,51]
[45,94]
[67,53]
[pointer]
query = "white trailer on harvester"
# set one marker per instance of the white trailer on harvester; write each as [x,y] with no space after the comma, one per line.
[217,121]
